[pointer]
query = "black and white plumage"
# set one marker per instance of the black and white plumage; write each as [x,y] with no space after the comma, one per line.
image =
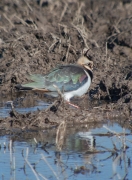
[72,80]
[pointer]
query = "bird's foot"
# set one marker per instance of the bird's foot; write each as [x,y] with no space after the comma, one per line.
[73,105]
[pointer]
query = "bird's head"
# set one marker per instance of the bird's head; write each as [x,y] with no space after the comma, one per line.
[85,62]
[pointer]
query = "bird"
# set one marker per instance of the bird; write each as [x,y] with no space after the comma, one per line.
[71,80]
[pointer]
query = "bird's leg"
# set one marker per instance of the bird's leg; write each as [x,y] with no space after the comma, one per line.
[73,105]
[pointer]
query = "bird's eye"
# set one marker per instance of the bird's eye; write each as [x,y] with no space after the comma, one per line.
[90,65]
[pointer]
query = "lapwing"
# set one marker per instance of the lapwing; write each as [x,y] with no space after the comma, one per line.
[71,80]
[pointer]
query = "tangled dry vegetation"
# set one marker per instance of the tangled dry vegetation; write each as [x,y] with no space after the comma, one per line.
[35,36]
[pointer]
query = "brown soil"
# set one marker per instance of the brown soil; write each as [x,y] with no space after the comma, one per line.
[37,35]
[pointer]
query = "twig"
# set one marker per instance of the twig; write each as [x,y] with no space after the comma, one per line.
[56,41]
[67,53]
[63,12]
[52,45]
[60,134]
[12,160]
[106,50]
[42,176]
[108,93]
[94,42]
[32,169]
[13,110]
[51,105]
[115,26]
[113,132]
[43,157]
[1,27]
[8,20]
[117,134]
[107,149]
[80,8]
[36,119]
[28,5]
[31,165]
[59,91]
[35,140]
[79,31]
[115,163]
[23,22]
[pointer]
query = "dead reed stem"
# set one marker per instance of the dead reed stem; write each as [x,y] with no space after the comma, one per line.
[60,134]
[26,160]
[43,157]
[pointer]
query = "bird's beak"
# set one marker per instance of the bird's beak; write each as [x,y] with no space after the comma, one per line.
[89,66]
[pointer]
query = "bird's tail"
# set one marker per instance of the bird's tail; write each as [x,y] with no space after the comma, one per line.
[37,84]
[21,87]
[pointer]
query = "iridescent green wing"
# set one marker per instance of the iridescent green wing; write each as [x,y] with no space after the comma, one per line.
[66,78]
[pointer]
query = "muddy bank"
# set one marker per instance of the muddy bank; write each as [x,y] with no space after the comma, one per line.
[36,36]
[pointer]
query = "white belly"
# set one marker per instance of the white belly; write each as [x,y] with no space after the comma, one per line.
[79,92]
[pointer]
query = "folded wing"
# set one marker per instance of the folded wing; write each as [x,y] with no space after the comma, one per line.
[66,78]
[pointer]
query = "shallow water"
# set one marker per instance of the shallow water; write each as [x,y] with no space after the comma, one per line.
[6,108]
[87,154]
[22,104]
[29,102]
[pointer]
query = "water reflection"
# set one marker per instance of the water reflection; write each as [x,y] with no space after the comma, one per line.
[23,103]
[88,152]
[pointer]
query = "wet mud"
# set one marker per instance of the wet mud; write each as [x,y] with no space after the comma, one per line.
[36,36]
